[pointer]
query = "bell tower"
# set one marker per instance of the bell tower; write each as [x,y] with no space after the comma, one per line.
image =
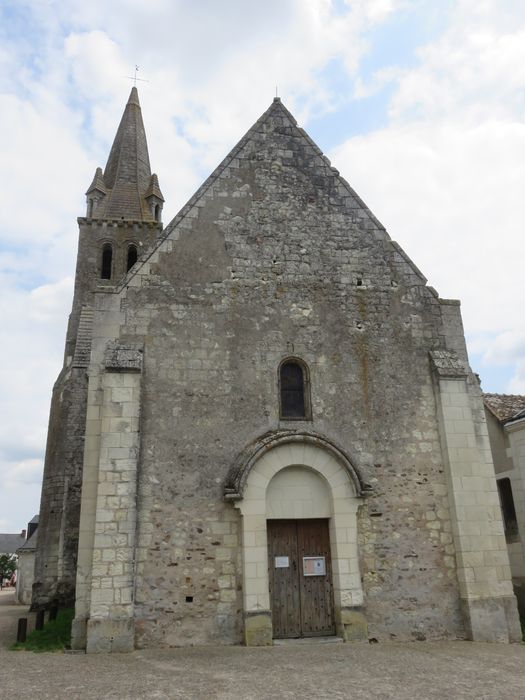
[123,219]
[123,215]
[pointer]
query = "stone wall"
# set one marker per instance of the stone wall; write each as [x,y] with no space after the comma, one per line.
[499,443]
[57,536]
[56,557]
[25,575]
[275,256]
[508,448]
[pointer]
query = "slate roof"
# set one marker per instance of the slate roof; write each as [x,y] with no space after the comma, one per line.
[29,544]
[10,543]
[127,180]
[505,406]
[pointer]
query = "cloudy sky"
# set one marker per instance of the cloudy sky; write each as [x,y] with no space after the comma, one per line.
[419,103]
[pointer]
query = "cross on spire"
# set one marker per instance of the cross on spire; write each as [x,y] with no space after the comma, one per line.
[134,77]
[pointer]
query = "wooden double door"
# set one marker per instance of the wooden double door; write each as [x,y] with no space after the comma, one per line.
[300,574]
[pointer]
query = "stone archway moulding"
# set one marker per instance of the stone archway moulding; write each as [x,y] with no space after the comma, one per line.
[240,470]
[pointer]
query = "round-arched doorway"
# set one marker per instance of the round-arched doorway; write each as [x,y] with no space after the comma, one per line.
[299,497]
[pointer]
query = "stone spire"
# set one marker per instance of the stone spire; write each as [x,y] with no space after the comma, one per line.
[127,176]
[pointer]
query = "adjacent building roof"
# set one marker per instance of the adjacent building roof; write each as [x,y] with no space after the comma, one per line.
[10,543]
[505,406]
[29,544]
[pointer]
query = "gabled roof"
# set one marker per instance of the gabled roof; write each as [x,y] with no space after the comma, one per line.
[279,120]
[285,122]
[10,543]
[505,406]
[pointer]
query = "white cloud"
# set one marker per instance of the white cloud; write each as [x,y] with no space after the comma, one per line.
[508,348]
[517,383]
[24,473]
[48,302]
[376,10]
[30,357]
[459,70]
[211,72]
[40,191]
[446,175]
[452,196]
[220,73]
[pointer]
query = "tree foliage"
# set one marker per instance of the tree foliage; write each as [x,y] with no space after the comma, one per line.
[7,566]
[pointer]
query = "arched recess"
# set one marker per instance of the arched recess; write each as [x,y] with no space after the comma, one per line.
[106,264]
[318,464]
[131,257]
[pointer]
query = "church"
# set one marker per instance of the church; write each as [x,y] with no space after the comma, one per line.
[266,426]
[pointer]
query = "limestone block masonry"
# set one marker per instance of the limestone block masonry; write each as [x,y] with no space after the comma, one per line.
[110,513]
[483,569]
[188,454]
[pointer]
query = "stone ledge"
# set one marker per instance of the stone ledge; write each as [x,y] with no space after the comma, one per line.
[121,358]
[447,364]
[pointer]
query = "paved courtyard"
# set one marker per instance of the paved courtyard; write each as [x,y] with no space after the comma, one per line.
[421,670]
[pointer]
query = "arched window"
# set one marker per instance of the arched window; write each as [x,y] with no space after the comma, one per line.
[293,388]
[107,259]
[157,212]
[132,257]
[89,208]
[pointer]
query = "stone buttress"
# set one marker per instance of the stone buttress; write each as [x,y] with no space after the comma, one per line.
[487,598]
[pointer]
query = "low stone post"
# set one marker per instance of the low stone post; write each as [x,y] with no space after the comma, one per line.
[22,629]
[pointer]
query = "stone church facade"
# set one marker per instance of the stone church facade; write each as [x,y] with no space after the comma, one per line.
[266,425]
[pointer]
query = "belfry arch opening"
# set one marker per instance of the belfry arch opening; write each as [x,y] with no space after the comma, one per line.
[131,257]
[106,262]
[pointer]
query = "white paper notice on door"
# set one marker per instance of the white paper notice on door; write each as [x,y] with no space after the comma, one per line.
[281,562]
[314,566]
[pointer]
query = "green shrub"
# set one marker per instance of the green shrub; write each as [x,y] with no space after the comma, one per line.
[56,635]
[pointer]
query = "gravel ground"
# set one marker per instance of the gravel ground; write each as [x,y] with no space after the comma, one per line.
[393,671]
